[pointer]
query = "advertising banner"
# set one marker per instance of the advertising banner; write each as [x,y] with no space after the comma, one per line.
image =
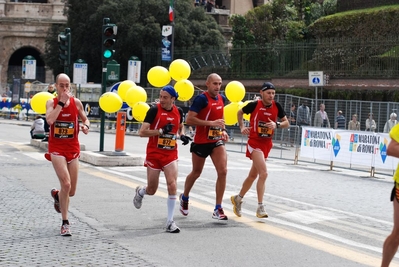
[352,147]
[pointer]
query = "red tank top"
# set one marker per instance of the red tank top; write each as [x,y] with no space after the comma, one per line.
[164,144]
[259,117]
[213,111]
[64,131]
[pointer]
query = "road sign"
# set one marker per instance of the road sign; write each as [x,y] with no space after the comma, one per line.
[29,68]
[134,69]
[316,78]
[80,73]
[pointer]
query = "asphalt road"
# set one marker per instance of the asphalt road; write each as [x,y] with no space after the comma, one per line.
[316,217]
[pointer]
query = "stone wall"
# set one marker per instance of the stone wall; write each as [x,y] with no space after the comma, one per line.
[26,25]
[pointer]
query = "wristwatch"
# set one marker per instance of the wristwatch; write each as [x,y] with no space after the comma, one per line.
[277,124]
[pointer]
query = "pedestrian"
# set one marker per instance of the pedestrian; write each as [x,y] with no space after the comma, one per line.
[340,121]
[321,118]
[370,123]
[62,114]
[162,124]
[263,123]
[292,117]
[303,114]
[390,123]
[354,124]
[37,128]
[392,241]
[206,113]
[51,89]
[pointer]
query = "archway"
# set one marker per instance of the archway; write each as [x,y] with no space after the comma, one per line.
[15,64]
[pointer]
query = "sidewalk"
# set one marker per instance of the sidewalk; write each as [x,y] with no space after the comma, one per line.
[28,237]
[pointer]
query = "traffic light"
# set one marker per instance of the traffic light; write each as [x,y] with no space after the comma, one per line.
[64,40]
[108,41]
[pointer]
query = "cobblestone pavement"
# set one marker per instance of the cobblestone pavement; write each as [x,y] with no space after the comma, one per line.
[29,238]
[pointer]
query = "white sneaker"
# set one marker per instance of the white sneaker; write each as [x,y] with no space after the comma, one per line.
[219,215]
[137,200]
[171,227]
[260,212]
[183,206]
[65,230]
[236,205]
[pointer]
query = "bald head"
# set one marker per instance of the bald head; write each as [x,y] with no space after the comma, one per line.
[62,76]
[213,76]
[213,83]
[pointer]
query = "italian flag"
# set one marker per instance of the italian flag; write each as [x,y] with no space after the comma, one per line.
[171,11]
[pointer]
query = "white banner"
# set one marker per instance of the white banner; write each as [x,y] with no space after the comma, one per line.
[359,148]
[134,70]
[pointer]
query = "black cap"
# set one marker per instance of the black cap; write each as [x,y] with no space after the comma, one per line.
[267,86]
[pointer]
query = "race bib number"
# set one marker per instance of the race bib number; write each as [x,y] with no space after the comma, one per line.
[263,131]
[64,129]
[215,133]
[167,141]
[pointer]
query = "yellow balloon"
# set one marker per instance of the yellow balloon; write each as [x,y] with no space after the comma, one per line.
[140,110]
[39,100]
[124,87]
[135,94]
[110,102]
[230,113]
[185,89]
[235,91]
[179,70]
[158,76]
[246,116]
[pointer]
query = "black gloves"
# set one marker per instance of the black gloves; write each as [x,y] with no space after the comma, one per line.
[167,128]
[185,139]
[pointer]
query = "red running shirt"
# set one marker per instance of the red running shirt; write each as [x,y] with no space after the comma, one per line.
[164,144]
[259,117]
[213,111]
[64,131]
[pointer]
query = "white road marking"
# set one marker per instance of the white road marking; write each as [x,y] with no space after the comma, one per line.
[311,216]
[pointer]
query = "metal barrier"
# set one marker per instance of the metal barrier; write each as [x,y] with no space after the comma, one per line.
[287,146]
[286,143]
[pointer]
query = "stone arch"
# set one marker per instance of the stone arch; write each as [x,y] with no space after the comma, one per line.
[14,69]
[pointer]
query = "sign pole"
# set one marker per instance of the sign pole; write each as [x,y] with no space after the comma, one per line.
[103,90]
[316,78]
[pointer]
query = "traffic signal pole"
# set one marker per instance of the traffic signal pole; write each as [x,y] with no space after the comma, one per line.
[102,117]
[109,32]
[65,40]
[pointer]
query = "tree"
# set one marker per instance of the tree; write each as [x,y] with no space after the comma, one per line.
[279,20]
[139,26]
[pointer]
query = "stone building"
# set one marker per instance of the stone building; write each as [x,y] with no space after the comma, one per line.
[23,29]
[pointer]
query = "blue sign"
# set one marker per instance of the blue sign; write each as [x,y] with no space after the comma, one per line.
[167,43]
[315,80]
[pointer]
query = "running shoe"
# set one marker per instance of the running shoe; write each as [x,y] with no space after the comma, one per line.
[65,230]
[171,227]
[54,193]
[183,206]
[219,215]
[236,205]
[260,212]
[137,200]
